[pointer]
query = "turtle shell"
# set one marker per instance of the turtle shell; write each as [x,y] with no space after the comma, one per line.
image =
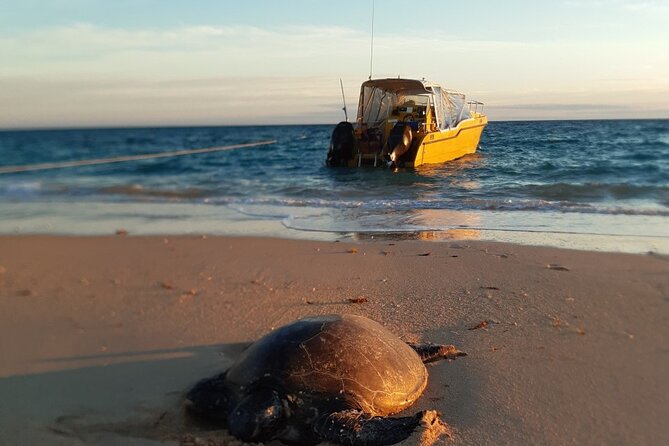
[347,359]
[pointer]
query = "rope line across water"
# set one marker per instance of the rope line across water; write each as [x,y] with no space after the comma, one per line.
[122,159]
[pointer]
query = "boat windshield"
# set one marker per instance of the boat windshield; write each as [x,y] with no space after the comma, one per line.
[375,105]
[450,107]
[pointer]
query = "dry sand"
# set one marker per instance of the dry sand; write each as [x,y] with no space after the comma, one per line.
[100,336]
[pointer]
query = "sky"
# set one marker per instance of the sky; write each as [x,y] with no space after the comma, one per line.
[90,63]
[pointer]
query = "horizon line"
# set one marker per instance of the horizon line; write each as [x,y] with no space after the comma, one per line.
[182,126]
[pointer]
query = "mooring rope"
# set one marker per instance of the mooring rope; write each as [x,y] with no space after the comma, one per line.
[122,159]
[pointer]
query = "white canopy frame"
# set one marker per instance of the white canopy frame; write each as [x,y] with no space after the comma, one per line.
[378,98]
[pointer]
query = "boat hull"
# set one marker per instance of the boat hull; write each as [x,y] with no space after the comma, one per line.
[427,147]
[440,147]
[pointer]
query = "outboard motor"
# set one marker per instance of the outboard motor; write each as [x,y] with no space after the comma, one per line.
[399,141]
[342,145]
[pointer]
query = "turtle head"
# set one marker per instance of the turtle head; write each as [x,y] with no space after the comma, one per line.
[210,397]
[260,416]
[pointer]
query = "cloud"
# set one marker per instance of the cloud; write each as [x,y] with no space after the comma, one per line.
[89,75]
[30,102]
[574,108]
[657,6]
[651,6]
[632,110]
[209,50]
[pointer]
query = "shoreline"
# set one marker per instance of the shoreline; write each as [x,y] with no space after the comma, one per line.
[101,336]
[595,232]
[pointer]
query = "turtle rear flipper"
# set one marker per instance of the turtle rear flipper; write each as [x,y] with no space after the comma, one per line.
[352,427]
[436,352]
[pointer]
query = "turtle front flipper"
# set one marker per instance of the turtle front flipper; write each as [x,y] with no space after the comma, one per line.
[352,427]
[435,352]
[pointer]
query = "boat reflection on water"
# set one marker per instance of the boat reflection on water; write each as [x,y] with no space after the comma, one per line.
[444,224]
[446,169]
[410,205]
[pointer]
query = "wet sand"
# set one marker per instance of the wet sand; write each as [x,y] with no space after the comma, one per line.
[100,336]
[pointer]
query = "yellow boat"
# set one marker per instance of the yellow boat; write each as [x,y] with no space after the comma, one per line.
[407,123]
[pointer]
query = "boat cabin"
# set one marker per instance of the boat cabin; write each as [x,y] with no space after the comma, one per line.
[425,106]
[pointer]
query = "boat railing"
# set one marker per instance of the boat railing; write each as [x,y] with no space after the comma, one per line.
[475,106]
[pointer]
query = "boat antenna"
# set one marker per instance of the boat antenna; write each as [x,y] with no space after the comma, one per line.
[371,50]
[341,83]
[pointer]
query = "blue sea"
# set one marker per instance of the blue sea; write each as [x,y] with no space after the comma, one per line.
[598,185]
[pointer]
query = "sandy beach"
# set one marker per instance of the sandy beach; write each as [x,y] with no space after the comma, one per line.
[101,336]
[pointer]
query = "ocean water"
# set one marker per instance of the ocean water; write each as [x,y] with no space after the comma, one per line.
[578,184]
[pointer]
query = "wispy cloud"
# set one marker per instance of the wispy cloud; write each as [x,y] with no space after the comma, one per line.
[244,74]
[208,49]
[570,107]
[627,5]
[651,6]
[212,101]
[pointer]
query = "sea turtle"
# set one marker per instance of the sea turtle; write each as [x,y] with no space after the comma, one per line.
[325,378]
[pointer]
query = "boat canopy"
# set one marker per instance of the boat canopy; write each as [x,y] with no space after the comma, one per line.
[378,98]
